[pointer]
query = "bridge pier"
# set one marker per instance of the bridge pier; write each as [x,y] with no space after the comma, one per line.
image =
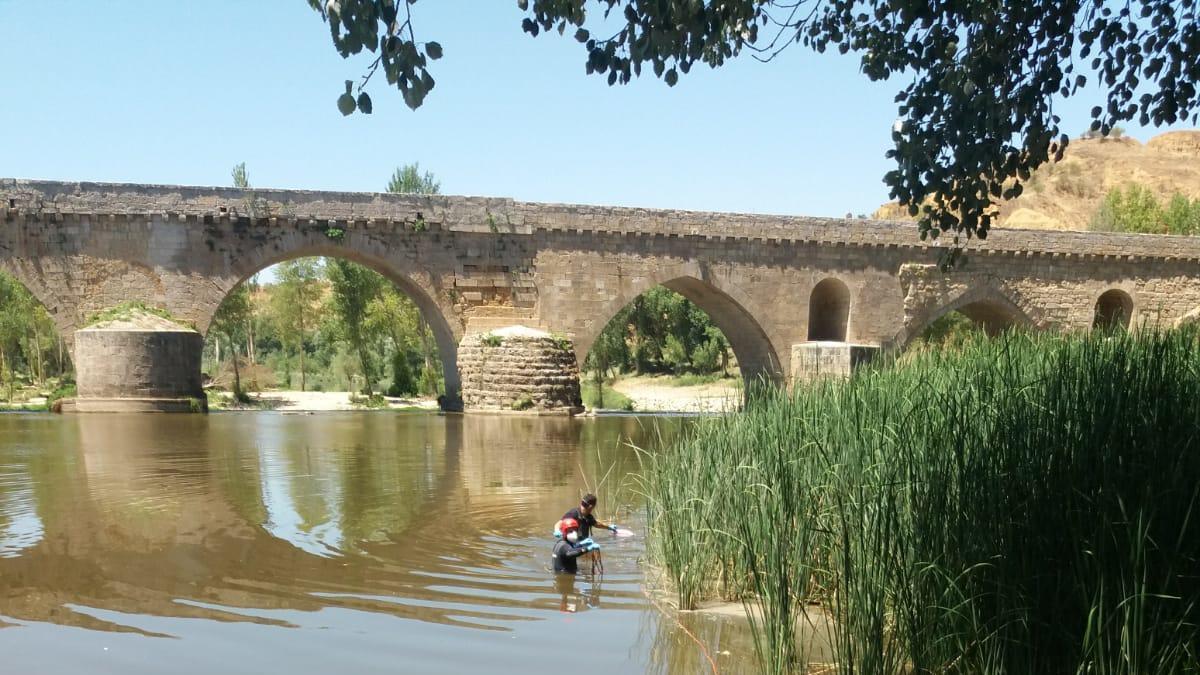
[519,369]
[121,369]
[816,360]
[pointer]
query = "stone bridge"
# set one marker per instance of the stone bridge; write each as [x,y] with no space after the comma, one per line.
[775,285]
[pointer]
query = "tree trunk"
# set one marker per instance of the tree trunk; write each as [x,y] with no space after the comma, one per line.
[37,350]
[599,378]
[362,360]
[237,376]
[302,349]
[426,348]
[3,367]
[250,352]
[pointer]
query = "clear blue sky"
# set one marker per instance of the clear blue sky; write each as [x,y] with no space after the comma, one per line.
[166,91]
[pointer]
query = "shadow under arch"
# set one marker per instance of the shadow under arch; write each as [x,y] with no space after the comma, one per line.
[755,354]
[988,307]
[829,310]
[423,293]
[1113,310]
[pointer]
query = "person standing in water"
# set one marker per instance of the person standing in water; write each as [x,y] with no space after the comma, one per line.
[583,515]
[568,549]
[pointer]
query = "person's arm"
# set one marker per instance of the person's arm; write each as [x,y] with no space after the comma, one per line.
[570,550]
[603,526]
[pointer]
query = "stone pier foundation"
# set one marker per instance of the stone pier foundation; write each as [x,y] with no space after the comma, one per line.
[127,370]
[519,369]
[815,360]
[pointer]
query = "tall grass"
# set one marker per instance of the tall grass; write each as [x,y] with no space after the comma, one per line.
[1019,505]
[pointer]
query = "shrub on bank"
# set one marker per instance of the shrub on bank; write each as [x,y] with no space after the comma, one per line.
[1029,504]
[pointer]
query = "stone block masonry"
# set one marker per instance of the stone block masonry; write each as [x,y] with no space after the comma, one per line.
[138,371]
[519,369]
[471,261]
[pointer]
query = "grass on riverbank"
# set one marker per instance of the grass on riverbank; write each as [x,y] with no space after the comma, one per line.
[1020,505]
[612,399]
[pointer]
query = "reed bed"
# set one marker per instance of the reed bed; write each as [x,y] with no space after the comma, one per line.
[1025,504]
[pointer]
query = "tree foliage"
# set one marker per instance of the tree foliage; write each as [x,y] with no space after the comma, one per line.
[296,306]
[357,322]
[659,332]
[232,321]
[1136,209]
[976,114]
[31,351]
[408,179]
[353,288]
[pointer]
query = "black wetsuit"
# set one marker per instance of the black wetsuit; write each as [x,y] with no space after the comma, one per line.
[565,554]
[586,523]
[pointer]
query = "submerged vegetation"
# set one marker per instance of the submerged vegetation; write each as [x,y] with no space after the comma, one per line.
[1024,504]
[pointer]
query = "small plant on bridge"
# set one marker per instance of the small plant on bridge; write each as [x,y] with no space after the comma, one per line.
[523,402]
[561,341]
[335,233]
[491,340]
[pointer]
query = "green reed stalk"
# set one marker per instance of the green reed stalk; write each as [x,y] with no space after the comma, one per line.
[1019,505]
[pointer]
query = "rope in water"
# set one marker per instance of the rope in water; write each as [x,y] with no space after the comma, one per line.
[703,649]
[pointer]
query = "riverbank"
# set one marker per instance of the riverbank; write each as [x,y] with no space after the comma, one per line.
[667,394]
[317,401]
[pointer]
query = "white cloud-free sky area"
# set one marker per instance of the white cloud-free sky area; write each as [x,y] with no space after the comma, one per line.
[177,93]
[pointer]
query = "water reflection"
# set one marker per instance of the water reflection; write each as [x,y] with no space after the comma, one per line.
[20,525]
[376,531]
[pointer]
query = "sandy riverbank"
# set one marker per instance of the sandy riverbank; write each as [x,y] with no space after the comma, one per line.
[324,401]
[655,394]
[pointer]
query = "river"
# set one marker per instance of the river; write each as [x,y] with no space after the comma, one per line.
[357,542]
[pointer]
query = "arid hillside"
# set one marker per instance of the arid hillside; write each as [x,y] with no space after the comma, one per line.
[1066,195]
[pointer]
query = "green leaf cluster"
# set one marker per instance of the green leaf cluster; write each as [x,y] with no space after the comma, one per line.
[975,110]
[379,27]
[31,351]
[660,332]
[323,325]
[1136,209]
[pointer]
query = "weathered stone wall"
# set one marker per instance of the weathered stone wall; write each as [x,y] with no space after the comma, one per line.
[519,369]
[815,360]
[134,370]
[473,264]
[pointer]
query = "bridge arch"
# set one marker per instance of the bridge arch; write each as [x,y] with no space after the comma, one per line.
[829,311]
[1114,309]
[725,306]
[986,305]
[417,283]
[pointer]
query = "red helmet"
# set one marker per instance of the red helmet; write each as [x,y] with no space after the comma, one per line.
[567,524]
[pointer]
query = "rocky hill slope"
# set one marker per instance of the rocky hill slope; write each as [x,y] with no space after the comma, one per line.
[1066,195]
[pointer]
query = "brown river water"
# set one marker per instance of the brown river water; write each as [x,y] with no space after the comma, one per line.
[357,542]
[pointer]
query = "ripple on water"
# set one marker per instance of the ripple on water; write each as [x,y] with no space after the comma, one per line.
[315,543]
